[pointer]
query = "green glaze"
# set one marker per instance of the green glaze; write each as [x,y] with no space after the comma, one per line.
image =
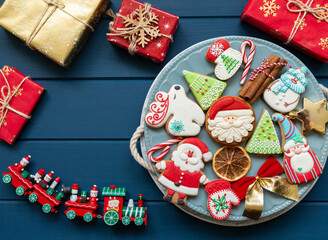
[264,139]
[205,89]
[220,204]
[229,62]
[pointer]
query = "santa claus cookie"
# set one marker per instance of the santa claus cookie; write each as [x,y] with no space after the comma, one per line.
[220,198]
[205,89]
[283,94]
[182,116]
[183,173]
[227,59]
[300,162]
[230,120]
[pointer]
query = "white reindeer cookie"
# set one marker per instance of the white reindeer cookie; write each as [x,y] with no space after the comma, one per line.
[283,94]
[182,116]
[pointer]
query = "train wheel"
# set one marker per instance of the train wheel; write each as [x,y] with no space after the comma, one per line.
[6,178]
[111,217]
[87,217]
[138,221]
[33,197]
[46,208]
[126,220]
[71,214]
[20,191]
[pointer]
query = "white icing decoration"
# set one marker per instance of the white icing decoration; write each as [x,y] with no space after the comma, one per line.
[230,199]
[302,164]
[231,132]
[179,108]
[220,70]
[278,101]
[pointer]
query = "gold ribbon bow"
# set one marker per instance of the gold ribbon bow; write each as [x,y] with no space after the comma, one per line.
[254,199]
[137,29]
[56,4]
[6,98]
[320,13]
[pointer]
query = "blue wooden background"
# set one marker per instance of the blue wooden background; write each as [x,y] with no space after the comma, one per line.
[82,126]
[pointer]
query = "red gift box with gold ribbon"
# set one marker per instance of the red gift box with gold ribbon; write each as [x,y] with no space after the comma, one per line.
[18,97]
[302,24]
[143,29]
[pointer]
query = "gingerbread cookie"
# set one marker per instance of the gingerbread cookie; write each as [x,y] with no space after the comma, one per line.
[300,162]
[183,174]
[230,120]
[182,116]
[283,94]
[205,89]
[220,198]
[264,139]
[227,59]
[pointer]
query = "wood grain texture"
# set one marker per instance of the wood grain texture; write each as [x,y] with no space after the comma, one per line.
[82,125]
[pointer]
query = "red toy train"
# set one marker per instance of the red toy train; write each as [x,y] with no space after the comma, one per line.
[37,189]
[114,211]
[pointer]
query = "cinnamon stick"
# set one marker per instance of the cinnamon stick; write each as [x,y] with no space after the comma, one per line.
[268,80]
[251,87]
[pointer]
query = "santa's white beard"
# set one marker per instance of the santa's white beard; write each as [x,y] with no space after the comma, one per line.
[187,166]
[225,131]
[302,163]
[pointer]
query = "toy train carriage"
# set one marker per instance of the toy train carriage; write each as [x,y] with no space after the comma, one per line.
[18,179]
[85,210]
[49,203]
[114,210]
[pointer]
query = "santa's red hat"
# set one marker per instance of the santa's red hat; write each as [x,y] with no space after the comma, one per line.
[229,106]
[94,189]
[26,159]
[217,185]
[201,147]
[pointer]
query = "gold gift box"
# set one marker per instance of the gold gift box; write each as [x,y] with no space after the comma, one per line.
[56,28]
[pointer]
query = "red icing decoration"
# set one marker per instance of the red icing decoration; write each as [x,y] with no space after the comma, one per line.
[158,109]
[212,54]
[270,168]
[227,103]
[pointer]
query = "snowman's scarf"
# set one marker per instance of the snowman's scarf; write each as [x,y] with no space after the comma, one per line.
[286,83]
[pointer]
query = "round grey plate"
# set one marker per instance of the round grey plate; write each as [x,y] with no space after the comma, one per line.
[193,59]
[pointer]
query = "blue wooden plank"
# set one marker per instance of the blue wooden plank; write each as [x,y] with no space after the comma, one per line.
[89,109]
[19,220]
[99,59]
[96,162]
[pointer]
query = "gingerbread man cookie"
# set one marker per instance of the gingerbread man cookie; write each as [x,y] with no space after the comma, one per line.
[300,162]
[230,120]
[183,174]
[182,116]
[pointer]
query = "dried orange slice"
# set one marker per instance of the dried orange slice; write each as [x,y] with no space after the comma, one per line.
[231,163]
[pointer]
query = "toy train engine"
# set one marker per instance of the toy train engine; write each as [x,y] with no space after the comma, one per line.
[36,188]
[114,210]
[78,206]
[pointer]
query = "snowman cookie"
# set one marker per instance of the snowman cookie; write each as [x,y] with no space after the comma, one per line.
[283,94]
[300,162]
[182,116]
[230,120]
[227,59]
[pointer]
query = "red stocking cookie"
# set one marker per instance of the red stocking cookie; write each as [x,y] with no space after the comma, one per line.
[183,174]
[220,198]
[227,59]
[182,116]
[301,163]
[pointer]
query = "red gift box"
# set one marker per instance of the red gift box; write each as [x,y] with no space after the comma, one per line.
[299,23]
[155,48]
[19,95]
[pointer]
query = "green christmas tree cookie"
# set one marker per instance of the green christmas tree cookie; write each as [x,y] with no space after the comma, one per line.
[205,89]
[264,139]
